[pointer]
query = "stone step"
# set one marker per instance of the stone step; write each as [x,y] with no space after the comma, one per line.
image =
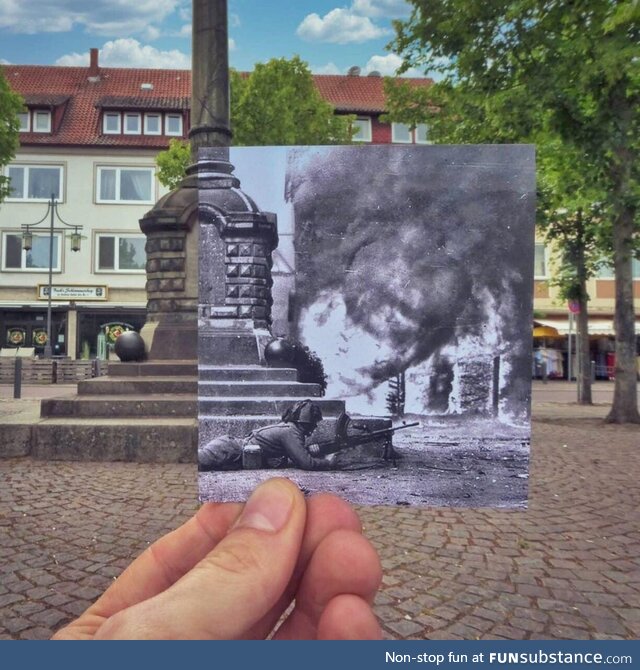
[125,386]
[248,374]
[160,405]
[261,389]
[268,406]
[154,369]
[152,440]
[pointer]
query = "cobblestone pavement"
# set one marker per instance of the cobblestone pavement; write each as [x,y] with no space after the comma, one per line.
[567,568]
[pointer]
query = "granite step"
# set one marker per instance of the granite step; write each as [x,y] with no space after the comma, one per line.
[125,386]
[160,405]
[261,406]
[153,440]
[248,374]
[258,389]
[154,369]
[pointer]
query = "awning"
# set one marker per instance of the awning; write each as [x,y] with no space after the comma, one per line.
[597,327]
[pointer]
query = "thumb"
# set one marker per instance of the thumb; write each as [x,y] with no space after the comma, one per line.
[226,595]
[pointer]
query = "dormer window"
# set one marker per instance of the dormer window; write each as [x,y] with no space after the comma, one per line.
[173,124]
[152,124]
[23,119]
[111,123]
[35,121]
[132,124]
[41,121]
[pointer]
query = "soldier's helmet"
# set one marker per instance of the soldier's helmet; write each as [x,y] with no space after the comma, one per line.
[304,411]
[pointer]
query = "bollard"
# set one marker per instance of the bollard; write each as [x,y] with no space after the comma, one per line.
[593,371]
[17,378]
[544,371]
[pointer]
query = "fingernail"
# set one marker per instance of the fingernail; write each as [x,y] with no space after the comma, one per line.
[268,508]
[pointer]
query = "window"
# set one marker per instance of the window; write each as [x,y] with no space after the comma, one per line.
[421,134]
[23,118]
[132,124]
[173,124]
[41,122]
[120,253]
[540,262]
[35,182]
[16,259]
[401,133]
[126,185]
[362,130]
[606,271]
[152,124]
[111,123]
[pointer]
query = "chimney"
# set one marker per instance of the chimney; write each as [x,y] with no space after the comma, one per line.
[93,63]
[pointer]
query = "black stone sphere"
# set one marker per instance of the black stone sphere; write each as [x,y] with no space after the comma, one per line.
[129,347]
[279,354]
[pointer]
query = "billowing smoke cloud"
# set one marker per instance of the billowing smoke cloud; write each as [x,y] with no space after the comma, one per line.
[424,245]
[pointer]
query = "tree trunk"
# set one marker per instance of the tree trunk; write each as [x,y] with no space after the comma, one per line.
[625,395]
[583,354]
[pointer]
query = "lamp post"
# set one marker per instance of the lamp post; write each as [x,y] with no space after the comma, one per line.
[27,243]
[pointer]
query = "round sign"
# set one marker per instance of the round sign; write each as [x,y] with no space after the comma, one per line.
[574,306]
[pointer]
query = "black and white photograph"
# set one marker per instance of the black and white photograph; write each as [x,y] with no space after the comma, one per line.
[364,322]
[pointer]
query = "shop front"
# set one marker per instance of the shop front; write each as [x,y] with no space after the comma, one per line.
[25,327]
[554,348]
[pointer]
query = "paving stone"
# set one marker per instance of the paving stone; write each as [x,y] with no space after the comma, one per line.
[569,567]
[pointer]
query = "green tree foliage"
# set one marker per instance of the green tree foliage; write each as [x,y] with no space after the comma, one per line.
[11,105]
[173,162]
[563,75]
[276,104]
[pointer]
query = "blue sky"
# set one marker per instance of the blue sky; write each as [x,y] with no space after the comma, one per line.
[330,35]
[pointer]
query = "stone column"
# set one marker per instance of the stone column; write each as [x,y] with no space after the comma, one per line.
[235,266]
[171,226]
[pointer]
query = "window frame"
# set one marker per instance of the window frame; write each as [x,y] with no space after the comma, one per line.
[22,129]
[26,180]
[369,128]
[166,125]
[146,124]
[105,130]
[119,169]
[116,235]
[415,134]
[57,264]
[34,116]
[133,115]
[545,276]
[395,140]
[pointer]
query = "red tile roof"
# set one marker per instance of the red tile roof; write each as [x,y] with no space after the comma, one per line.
[354,94]
[120,88]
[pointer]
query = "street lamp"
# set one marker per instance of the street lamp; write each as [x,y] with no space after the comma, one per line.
[27,244]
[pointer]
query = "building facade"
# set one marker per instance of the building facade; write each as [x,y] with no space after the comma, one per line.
[89,137]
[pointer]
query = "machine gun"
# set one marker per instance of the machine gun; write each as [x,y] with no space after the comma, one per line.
[343,440]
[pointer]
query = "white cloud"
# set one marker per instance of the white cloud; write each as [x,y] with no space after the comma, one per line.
[390,8]
[4,62]
[130,53]
[329,68]
[388,66]
[232,44]
[151,33]
[104,17]
[185,30]
[234,20]
[339,26]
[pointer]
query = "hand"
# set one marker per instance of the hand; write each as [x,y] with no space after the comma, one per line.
[314,449]
[231,571]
